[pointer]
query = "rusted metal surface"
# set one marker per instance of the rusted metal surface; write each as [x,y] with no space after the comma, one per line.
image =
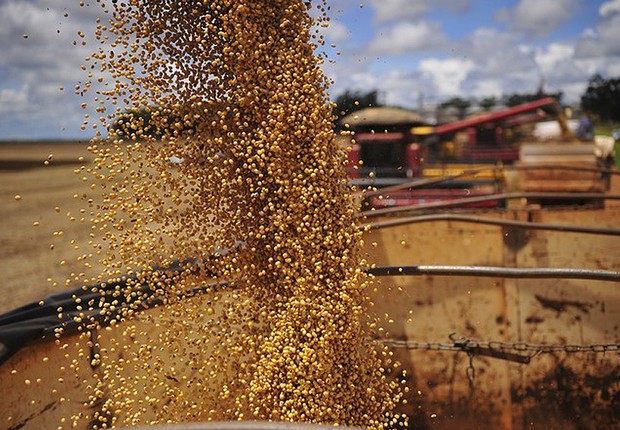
[497,116]
[521,225]
[495,171]
[568,198]
[518,352]
[245,425]
[561,180]
[485,385]
[49,382]
[563,388]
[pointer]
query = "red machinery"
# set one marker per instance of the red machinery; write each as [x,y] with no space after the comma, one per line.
[390,158]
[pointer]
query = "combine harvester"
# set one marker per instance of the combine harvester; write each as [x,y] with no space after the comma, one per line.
[477,156]
[495,266]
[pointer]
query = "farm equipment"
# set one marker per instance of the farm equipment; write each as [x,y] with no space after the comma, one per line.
[476,153]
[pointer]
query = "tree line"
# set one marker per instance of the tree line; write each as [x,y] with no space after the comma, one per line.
[600,100]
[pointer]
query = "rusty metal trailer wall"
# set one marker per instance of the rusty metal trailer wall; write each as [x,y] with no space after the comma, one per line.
[562,389]
[485,386]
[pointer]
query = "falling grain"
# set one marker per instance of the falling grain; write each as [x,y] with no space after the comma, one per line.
[220,154]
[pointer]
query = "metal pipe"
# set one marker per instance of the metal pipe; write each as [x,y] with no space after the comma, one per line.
[490,197]
[491,221]
[243,425]
[546,166]
[455,126]
[496,272]
[420,183]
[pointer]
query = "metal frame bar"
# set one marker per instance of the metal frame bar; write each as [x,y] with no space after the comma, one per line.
[421,183]
[490,197]
[490,221]
[519,352]
[496,272]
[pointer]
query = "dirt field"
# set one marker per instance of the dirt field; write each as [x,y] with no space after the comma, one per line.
[27,258]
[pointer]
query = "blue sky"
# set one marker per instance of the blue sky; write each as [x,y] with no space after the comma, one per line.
[408,50]
[473,48]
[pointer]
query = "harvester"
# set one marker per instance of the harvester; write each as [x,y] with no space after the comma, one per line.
[476,154]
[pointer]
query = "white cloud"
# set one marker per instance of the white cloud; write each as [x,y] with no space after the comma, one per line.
[487,87]
[561,71]
[407,37]
[538,18]
[550,58]
[338,6]
[613,69]
[603,41]
[588,32]
[609,8]
[606,66]
[13,99]
[37,58]
[487,62]
[447,75]
[363,81]
[400,88]
[388,10]
[336,32]
[457,6]
[573,91]
[496,53]
[400,10]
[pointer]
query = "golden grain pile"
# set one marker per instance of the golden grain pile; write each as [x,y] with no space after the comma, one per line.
[233,89]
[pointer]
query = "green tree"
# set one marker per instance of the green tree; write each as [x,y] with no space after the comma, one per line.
[488,103]
[602,98]
[134,123]
[351,101]
[520,98]
[461,105]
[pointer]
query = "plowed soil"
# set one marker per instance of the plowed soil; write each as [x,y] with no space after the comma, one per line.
[32,246]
